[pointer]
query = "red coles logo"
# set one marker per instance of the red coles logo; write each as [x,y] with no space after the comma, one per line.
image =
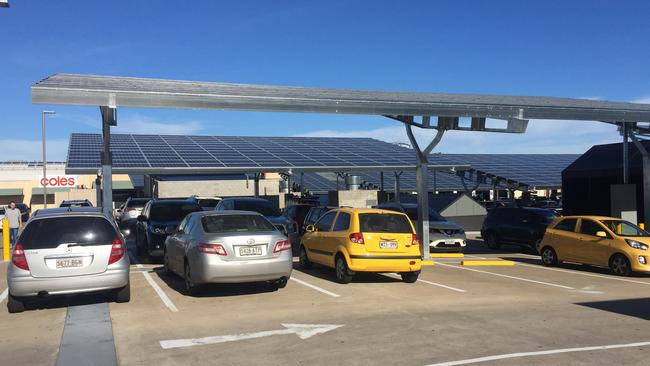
[59,181]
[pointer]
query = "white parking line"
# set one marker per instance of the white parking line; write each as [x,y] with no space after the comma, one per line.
[163,296]
[582,273]
[539,353]
[4,295]
[506,276]
[430,283]
[314,287]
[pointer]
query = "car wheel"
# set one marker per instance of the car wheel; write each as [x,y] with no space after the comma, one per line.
[534,248]
[15,305]
[124,294]
[303,259]
[493,241]
[410,277]
[549,258]
[343,274]
[190,286]
[166,268]
[620,265]
[281,283]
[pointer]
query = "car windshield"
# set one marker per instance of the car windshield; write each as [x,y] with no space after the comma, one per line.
[75,204]
[51,232]
[263,207]
[236,223]
[384,223]
[137,203]
[412,213]
[208,202]
[624,228]
[172,211]
[547,216]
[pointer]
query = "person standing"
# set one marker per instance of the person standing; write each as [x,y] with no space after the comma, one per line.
[15,222]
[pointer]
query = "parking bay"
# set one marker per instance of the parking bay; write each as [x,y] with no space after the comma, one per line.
[499,311]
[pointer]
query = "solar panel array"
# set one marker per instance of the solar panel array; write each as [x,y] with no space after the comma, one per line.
[156,151]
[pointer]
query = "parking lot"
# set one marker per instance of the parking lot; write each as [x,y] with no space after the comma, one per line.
[452,313]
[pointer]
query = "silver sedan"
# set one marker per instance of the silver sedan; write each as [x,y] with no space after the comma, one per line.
[227,247]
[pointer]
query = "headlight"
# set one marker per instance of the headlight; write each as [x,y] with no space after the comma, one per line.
[636,245]
[159,230]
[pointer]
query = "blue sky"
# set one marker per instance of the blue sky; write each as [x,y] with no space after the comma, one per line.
[593,49]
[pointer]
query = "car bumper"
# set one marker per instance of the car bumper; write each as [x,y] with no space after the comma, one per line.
[636,264]
[32,286]
[385,264]
[211,269]
[455,243]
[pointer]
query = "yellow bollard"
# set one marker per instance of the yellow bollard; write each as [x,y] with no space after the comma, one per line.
[5,240]
[642,226]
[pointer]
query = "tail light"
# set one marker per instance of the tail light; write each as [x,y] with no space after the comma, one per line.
[117,251]
[281,246]
[415,240]
[357,238]
[18,258]
[217,249]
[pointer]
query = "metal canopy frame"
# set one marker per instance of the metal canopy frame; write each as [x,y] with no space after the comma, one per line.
[109,93]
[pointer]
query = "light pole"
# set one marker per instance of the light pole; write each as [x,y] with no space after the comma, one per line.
[44,181]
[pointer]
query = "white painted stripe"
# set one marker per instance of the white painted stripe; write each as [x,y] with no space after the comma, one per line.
[163,296]
[612,277]
[511,277]
[4,295]
[539,353]
[430,283]
[314,287]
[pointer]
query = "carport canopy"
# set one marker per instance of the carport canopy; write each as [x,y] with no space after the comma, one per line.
[424,110]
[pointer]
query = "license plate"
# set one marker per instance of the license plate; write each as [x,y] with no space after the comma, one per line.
[388,244]
[450,242]
[250,251]
[69,263]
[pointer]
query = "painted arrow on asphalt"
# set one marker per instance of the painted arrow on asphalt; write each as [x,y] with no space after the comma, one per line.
[303,331]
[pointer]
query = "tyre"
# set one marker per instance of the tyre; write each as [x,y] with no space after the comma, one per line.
[549,257]
[303,259]
[15,304]
[124,294]
[410,277]
[492,241]
[343,274]
[190,287]
[620,265]
[533,249]
[281,283]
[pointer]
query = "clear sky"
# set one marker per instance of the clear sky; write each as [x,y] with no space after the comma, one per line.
[592,49]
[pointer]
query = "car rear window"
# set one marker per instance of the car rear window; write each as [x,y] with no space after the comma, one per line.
[235,223]
[137,203]
[208,202]
[264,208]
[172,211]
[384,223]
[51,232]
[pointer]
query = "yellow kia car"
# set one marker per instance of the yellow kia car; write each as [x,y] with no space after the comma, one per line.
[600,241]
[363,240]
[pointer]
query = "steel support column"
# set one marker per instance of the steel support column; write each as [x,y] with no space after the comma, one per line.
[109,118]
[646,180]
[256,184]
[397,190]
[421,177]
[381,179]
[626,160]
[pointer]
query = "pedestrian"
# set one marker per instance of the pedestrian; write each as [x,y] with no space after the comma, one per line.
[15,222]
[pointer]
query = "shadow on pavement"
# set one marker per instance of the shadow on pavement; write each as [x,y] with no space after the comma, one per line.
[574,267]
[327,274]
[64,301]
[177,284]
[638,308]
[478,247]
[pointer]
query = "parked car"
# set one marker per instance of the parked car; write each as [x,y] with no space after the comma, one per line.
[444,236]
[208,203]
[68,251]
[160,218]
[228,247]
[267,209]
[298,213]
[550,205]
[523,226]
[363,240]
[129,212]
[76,203]
[599,241]
[490,205]
[313,215]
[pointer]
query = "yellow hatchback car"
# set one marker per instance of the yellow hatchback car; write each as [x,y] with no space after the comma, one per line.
[363,240]
[599,241]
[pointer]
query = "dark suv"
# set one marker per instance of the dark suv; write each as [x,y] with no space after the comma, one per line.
[159,218]
[297,213]
[523,226]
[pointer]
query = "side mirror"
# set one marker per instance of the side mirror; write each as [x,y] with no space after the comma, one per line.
[142,218]
[601,234]
[310,228]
